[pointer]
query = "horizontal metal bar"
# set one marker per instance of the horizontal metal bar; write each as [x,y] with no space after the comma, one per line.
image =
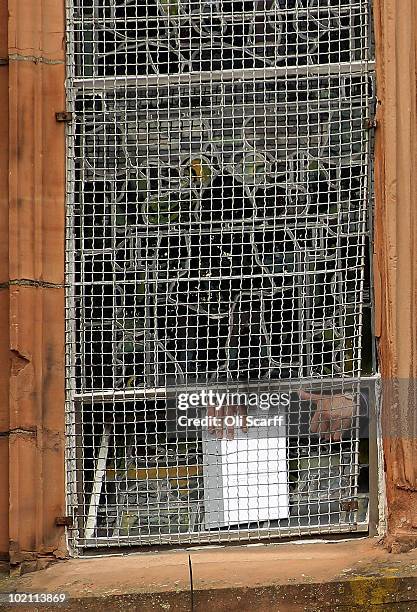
[228,536]
[288,222]
[224,277]
[164,392]
[88,17]
[116,82]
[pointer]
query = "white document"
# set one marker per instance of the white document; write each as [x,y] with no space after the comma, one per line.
[245,480]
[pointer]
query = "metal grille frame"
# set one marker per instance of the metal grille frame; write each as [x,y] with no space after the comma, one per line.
[218,223]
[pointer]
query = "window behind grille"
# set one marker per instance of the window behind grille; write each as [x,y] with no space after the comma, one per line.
[218,204]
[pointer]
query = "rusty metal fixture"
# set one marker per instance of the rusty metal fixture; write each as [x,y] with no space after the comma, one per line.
[63,116]
[64,521]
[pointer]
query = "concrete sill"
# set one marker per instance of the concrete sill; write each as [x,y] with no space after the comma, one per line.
[353,575]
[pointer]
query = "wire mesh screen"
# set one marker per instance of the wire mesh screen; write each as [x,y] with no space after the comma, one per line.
[218,302]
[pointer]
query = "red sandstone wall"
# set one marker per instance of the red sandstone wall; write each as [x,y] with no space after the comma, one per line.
[396,256]
[4,296]
[32,277]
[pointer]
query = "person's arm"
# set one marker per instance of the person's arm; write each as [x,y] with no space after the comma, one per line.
[333,415]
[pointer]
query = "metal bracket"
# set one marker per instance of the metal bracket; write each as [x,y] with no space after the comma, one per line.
[371,124]
[64,521]
[349,506]
[63,116]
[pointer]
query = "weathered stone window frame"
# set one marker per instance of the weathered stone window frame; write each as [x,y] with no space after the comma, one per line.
[32,176]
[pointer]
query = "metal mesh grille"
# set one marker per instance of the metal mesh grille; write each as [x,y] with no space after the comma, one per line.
[218,191]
